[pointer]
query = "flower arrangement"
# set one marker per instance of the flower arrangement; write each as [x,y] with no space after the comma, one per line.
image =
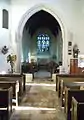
[11,59]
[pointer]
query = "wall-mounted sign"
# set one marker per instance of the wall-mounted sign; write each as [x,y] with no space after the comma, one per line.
[81,61]
[69,48]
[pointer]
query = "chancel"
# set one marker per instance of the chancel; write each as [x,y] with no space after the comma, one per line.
[41,59]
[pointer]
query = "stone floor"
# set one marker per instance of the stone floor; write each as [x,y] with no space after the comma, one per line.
[42,74]
[39,103]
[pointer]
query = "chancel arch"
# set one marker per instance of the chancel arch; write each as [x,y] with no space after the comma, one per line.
[22,27]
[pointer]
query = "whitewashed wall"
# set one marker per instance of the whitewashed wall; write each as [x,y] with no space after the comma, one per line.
[4,36]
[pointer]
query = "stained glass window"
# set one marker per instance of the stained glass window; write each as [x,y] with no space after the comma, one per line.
[43,42]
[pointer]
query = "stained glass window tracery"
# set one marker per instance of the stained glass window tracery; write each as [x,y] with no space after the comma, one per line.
[43,43]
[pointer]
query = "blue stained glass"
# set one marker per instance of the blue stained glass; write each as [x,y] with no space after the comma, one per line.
[43,42]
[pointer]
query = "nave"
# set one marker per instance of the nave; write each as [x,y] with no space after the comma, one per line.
[40,102]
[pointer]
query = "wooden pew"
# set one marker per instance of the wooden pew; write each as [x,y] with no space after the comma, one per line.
[68,78]
[65,76]
[5,103]
[15,87]
[70,85]
[77,108]
[15,77]
[69,94]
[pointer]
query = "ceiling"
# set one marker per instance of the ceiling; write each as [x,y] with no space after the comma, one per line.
[42,19]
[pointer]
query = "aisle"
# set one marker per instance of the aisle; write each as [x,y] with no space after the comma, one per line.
[42,74]
[40,103]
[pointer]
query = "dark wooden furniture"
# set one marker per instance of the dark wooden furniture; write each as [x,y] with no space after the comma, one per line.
[29,67]
[71,85]
[15,77]
[15,89]
[74,69]
[77,110]
[5,103]
[72,93]
[66,77]
[74,66]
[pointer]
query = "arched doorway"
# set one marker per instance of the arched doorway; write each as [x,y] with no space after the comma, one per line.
[21,26]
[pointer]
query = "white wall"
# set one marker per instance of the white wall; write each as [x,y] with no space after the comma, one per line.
[26,39]
[59,46]
[4,36]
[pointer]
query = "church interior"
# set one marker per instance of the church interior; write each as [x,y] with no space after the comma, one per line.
[41,60]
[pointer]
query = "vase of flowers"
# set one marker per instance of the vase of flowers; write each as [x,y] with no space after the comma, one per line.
[11,59]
